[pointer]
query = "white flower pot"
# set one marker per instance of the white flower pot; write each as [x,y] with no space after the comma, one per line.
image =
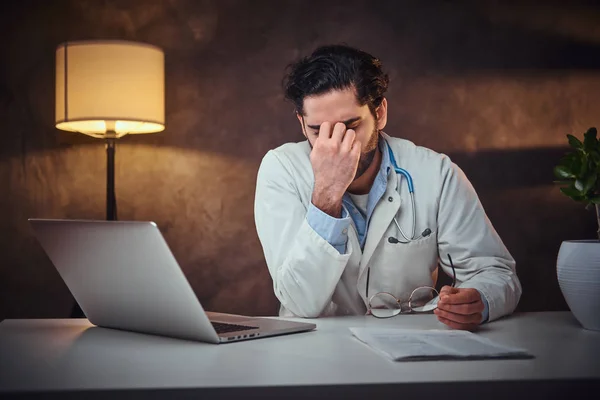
[578,269]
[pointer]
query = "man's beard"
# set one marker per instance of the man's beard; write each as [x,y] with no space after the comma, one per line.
[367,156]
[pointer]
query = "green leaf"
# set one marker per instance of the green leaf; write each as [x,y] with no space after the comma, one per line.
[568,160]
[579,171]
[589,183]
[584,166]
[576,166]
[571,192]
[574,142]
[562,172]
[590,142]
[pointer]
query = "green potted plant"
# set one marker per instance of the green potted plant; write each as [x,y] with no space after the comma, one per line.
[578,263]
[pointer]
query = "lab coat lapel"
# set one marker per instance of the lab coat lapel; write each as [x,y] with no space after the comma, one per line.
[381,219]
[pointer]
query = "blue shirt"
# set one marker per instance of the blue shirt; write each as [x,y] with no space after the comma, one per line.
[335,230]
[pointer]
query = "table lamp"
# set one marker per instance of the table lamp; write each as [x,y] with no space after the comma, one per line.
[107,89]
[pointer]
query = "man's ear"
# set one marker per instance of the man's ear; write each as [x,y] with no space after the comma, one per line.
[382,114]
[301,120]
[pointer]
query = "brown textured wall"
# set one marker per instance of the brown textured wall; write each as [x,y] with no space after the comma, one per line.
[495,85]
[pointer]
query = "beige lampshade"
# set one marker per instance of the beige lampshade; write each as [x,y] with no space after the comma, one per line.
[110,88]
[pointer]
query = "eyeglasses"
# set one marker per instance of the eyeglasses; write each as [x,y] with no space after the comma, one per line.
[422,299]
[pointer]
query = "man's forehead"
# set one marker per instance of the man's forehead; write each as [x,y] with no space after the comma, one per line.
[332,106]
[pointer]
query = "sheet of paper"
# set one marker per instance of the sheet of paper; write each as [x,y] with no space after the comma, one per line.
[413,345]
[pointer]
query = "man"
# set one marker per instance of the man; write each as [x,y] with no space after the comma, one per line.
[336,221]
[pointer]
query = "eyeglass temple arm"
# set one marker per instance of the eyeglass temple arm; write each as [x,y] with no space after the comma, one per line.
[453,271]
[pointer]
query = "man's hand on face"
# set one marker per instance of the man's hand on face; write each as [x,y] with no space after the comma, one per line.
[460,308]
[334,158]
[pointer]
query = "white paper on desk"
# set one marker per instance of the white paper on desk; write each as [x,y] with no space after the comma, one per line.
[414,345]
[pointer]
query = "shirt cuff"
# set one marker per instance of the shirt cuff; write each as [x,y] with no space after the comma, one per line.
[486,308]
[333,230]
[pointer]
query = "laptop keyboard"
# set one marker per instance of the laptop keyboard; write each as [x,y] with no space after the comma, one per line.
[226,328]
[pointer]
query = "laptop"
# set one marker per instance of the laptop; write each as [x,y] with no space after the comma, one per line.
[124,276]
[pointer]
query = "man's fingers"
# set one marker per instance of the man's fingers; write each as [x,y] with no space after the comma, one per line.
[448,290]
[339,130]
[461,297]
[464,309]
[455,325]
[356,149]
[325,130]
[348,140]
[459,318]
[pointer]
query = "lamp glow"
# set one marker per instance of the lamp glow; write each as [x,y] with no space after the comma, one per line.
[109,88]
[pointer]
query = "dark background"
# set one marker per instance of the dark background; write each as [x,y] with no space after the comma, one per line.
[495,85]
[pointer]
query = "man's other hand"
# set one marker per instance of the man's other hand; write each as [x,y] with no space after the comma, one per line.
[460,308]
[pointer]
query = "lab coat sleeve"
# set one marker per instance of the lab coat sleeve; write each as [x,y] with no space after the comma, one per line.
[334,230]
[480,258]
[486,309]
[305,268]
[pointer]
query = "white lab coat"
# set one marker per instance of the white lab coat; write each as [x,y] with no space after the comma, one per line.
[311,278]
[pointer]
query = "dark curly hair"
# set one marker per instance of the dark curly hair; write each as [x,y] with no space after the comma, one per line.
[336,67]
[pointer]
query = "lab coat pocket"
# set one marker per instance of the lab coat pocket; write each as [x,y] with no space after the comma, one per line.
[401,267]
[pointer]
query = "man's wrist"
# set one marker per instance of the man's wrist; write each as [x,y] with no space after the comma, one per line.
[327,202]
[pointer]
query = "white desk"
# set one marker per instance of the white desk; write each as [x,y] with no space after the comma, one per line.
[72,358]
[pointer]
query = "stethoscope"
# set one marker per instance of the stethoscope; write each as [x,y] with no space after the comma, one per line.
[411,190]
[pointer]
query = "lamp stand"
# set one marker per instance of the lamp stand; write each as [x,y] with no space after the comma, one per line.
[111,200]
